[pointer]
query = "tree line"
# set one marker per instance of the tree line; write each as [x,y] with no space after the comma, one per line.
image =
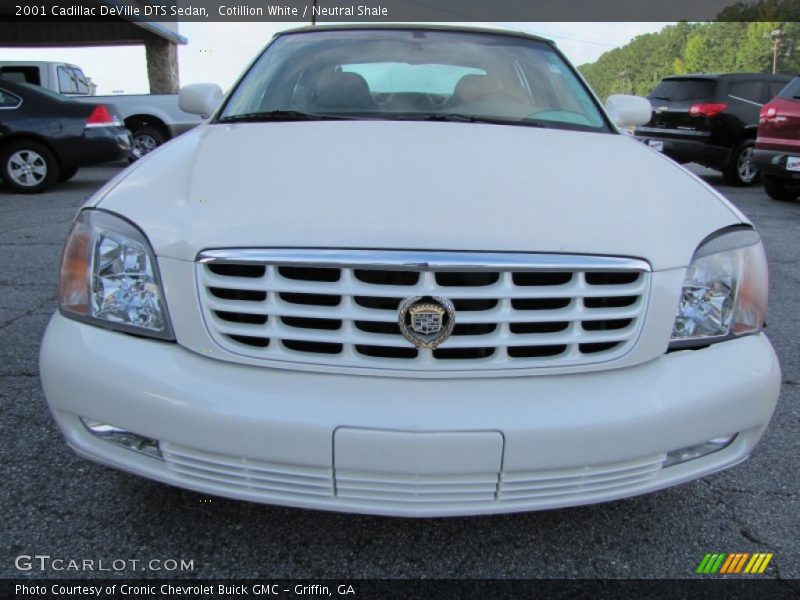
[718,47]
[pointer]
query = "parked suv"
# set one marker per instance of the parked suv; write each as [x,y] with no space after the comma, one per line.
[777,153]
[711,120]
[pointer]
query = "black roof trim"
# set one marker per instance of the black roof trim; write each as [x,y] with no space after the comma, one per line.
[415,26]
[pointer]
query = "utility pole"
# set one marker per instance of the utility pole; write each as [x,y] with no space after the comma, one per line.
[777,41]
[625,82]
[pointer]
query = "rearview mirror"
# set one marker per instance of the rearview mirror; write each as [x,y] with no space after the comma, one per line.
[628,111]
[200,98]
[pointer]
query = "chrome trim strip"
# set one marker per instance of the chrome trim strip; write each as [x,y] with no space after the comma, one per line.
[744,100]
[670,134]
[424,260]
[17,105]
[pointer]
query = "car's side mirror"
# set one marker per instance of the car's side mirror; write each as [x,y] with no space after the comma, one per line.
[628,111]
[200,98]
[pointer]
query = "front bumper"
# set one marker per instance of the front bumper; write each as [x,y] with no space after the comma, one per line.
[406,446]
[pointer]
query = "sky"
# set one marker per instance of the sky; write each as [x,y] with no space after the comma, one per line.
[218,52]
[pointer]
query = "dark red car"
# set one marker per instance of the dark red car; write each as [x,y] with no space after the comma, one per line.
[777,152]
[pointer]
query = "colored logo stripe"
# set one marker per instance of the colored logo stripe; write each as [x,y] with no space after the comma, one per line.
[758,563]
[726,566]
[723,563]
[735,563]
[711,563]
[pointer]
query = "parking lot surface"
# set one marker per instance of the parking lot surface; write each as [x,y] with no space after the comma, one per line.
[58,504]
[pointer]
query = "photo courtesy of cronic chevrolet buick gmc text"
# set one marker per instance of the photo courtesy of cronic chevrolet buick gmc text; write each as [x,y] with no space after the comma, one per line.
[365,285]
[710,120]
[777,153]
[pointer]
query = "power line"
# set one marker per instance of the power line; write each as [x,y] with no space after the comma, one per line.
[561,37]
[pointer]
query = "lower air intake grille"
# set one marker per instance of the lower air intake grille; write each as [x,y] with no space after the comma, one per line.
[246,474]
[574,485]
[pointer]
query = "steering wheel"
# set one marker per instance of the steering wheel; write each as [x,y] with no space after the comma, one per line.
[424,98]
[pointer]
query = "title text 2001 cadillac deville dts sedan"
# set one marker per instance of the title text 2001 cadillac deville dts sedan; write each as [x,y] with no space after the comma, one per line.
[411,271]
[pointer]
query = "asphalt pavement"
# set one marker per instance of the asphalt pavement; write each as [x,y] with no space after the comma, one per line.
[55,503]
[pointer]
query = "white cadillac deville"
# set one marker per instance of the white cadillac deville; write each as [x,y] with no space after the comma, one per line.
[411,271]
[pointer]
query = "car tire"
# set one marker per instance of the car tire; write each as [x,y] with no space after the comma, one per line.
[779,188]
[740,170]
[67,174]
[145,140]
[28,167]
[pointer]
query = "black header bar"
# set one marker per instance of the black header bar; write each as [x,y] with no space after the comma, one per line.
[463,11]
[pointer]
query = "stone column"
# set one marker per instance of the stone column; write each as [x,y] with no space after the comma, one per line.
[162,65]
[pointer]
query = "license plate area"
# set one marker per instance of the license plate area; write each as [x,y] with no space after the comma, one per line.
[793,163]
[417,453]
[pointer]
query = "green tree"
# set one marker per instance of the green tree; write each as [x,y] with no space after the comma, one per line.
[719,47]
[755,52]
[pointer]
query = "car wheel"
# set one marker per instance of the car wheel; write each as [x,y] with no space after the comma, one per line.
[145,140]
[740,169]
[779,188]
[28,167]
[67,174]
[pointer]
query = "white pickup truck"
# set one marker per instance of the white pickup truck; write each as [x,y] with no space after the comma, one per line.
[152,118]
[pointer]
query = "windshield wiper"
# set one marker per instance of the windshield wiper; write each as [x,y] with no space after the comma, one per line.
[461,118]
[660,98]
[277,115]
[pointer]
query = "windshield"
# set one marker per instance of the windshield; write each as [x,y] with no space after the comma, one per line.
[414,74]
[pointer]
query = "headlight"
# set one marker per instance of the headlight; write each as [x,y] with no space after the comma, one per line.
[109,277]
[724,292]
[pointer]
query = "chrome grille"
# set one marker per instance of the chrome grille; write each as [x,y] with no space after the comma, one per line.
[341,307]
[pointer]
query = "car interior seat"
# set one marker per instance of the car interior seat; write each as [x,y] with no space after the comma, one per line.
[339,90]
[472,88]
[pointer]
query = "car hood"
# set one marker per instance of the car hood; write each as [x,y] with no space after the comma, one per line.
[417,185]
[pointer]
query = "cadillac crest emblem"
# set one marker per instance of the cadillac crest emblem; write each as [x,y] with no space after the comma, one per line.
[426,321]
